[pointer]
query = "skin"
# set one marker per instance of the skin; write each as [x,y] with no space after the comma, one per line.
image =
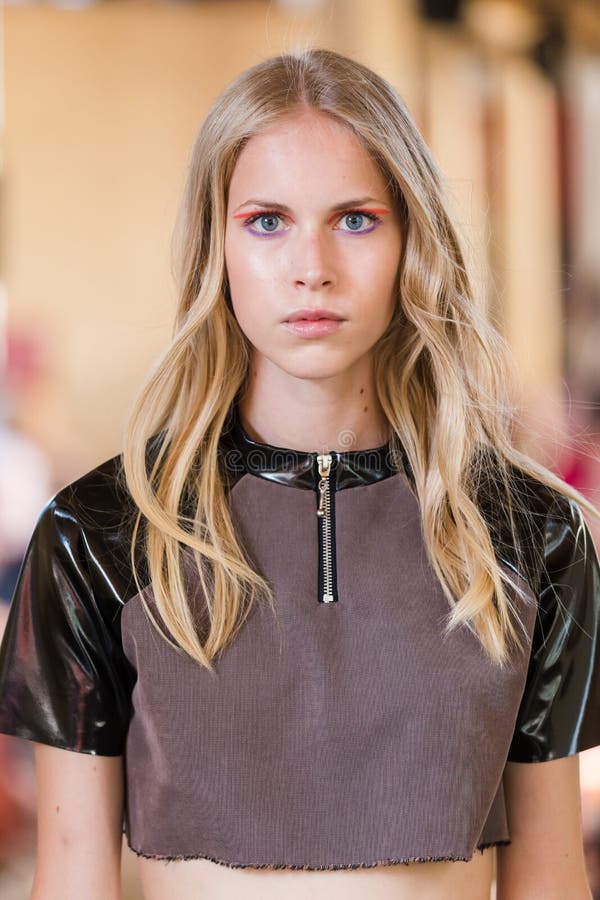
[317,393]
[309,395]
[545,858]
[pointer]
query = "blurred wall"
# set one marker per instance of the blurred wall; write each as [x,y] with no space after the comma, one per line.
[102,105]
[101,109]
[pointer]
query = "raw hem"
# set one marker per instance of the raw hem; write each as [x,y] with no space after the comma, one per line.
[360,865]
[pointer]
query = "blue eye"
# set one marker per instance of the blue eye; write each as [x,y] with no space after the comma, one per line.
[356,219]
[268,220]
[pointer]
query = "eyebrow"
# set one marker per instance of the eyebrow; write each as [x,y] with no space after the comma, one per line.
[270,204]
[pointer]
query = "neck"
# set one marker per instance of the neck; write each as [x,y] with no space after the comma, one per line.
[325,424]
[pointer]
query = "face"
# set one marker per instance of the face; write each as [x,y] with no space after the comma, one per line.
[311,226]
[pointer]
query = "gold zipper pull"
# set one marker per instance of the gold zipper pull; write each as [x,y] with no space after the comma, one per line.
[322,490]
[324,461]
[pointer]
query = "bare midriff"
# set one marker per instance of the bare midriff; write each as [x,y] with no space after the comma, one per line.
[191,879]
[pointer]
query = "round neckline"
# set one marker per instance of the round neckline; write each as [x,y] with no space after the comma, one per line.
[299,468]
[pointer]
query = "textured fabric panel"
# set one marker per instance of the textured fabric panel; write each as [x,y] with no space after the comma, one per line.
[336,734]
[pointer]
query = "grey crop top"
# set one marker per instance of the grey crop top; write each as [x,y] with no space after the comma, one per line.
[349,732]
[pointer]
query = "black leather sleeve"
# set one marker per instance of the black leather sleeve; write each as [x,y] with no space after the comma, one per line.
[63,676]
[559,714]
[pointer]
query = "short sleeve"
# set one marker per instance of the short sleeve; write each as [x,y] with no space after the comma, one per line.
[63,675]
[559,713]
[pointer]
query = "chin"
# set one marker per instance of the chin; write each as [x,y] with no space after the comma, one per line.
[314,371]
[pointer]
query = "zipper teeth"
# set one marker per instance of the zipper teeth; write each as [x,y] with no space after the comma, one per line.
[325,515]
[327,542]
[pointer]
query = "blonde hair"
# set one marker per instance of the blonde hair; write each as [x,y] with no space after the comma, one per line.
[442,373]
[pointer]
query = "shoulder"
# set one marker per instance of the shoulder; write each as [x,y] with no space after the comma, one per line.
[525,515]
[102,490]
[554,522]
[92,520]
[100,493]
[98,504]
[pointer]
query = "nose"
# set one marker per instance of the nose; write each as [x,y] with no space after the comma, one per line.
[311,261]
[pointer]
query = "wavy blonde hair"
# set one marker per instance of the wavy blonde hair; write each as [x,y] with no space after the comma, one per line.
[442,372]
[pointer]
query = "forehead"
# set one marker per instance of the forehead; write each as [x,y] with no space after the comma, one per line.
[304,150]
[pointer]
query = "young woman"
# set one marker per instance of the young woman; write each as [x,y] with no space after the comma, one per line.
[320,630]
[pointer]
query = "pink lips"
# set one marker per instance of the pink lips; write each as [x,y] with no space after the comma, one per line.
[312,315]
[313,322]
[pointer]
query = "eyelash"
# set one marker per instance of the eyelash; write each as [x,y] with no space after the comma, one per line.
[272,212]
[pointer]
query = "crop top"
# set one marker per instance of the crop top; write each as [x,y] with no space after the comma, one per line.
[347,731]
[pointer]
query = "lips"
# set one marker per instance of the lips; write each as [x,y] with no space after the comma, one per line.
[313,315]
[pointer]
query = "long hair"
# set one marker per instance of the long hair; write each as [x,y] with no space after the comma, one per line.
[443,374]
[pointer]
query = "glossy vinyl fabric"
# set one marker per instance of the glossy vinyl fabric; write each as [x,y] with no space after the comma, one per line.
[65,680]
[299,469]
[560,710]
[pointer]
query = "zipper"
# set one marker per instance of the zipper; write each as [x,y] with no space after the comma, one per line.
[327,589]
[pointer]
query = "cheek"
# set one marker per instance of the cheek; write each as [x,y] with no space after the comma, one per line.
[249,298]
[389,272]
[234,261]
[246,258]
[382,296]
[251,277]
[379,282]
[245,305]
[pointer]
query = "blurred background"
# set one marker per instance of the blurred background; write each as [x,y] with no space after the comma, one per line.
[99,105]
